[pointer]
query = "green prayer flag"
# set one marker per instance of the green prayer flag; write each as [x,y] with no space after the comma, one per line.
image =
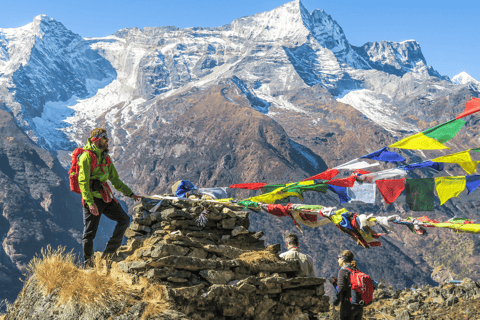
[270,187]
[476,149]
[420,194]
[445,131]
[248,204]
[320,187]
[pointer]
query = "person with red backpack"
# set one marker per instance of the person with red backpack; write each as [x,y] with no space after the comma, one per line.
[354,288]
[90,171]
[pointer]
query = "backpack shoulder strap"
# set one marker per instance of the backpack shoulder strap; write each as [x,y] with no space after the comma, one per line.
[93,159]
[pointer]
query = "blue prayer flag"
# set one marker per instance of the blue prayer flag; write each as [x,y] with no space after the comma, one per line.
[384,155]
[184,187]
[341,192]
[426,164]
[473,182]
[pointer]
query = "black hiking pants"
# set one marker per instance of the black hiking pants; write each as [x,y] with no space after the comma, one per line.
[112,211]
[350,311]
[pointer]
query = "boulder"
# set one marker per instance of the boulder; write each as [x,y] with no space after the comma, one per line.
[217,276]
[227,224]
[239,230]
[139,228]
[228,212]
[198,253]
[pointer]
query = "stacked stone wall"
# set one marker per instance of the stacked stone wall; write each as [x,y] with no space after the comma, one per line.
[202,265]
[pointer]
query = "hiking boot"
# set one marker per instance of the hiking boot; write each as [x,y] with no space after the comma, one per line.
[89,264]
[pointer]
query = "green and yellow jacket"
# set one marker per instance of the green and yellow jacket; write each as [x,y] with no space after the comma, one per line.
[85,176]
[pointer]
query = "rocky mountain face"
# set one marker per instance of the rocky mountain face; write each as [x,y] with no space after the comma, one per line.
[36,206]
[274,97]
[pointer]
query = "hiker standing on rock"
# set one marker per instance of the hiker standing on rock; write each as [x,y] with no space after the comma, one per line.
[97,197]
[293,253]
[348,311]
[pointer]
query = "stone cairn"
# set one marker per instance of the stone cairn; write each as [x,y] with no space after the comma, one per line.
[212,265]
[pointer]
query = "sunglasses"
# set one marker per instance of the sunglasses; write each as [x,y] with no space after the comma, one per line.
[102,135]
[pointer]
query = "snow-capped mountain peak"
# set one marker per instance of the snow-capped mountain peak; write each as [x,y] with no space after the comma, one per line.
[464,78]
[289,21]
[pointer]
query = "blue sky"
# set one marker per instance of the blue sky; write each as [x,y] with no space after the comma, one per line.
[448,31]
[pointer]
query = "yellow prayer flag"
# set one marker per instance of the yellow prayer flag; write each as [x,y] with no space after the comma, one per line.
[468,228]
[463,159]
[275,195]
[418,141]
[449,187]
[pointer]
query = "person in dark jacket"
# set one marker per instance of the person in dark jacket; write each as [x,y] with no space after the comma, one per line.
[349,310]
[97,198]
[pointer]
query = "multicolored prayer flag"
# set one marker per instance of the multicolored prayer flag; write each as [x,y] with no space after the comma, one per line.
[432,138]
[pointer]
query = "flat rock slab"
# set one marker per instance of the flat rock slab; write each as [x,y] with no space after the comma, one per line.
[275,267]
[160,273]
[187,263]
[165,250]
[302,282]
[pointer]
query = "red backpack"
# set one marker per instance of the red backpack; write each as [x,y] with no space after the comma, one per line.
[73,172]
[362,285]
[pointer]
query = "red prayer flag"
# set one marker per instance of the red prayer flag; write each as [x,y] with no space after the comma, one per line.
[326,175]
[345,182]
[426,219]
[472,106]
[249,186]
[361,172]
[390,188]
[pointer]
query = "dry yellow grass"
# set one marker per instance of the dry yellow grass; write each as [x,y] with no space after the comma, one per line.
[256,257]
[57,269]
[156,296]
[99,286]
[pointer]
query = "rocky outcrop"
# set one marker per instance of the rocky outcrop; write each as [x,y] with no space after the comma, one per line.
[447,301]
[209,264]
